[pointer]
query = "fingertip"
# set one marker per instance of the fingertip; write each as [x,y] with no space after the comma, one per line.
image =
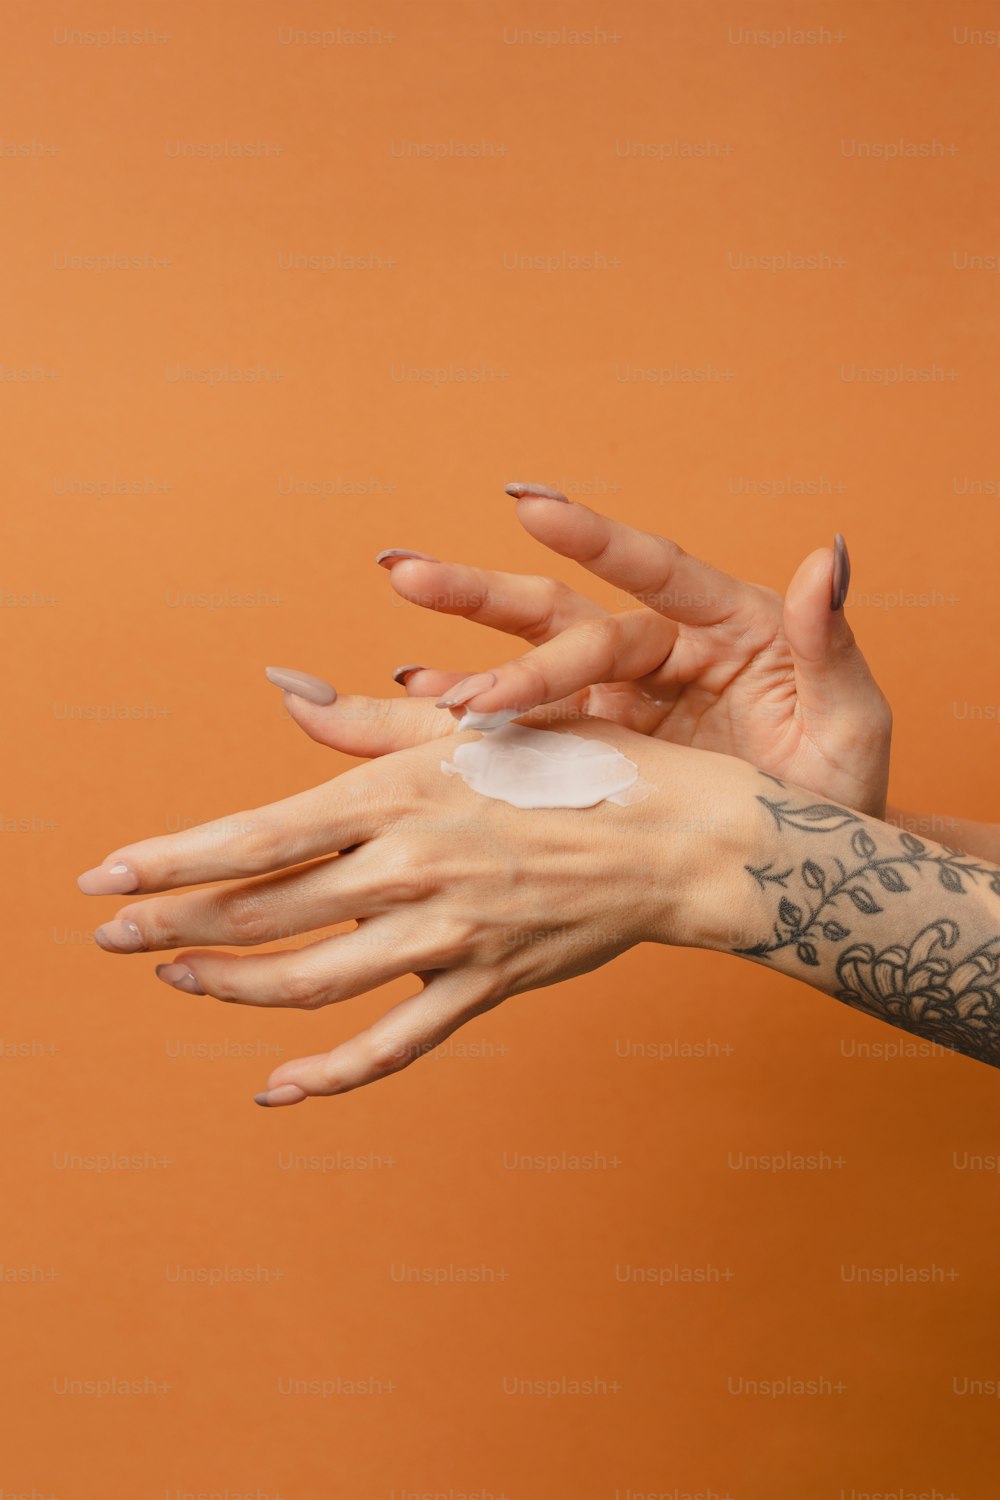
[391,557]
[282,1094]
[532,491]
[113,878]
[303,685]
[318,720]
[429,682]
[401,674]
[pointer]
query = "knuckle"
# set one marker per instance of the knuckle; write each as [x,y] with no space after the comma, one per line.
[377,792]
[668,550]
[248,842]
[405,875]
[600,636]
[300,989]
[527,676]
[667,554]
[390,1054]
[242,915]
[163,871]
[541,623]
[263,849]
[443,943]
[603,628]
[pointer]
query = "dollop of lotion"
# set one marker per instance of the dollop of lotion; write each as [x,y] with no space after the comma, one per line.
[539,767]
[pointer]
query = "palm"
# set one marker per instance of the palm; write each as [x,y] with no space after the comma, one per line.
[739,698]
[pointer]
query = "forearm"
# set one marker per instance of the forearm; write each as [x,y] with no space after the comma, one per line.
[901,927]
[982,839]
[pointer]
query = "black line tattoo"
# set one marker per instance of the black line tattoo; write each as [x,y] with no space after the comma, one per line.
[922,986]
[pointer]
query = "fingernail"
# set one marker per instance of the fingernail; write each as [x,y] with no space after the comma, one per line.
[285,1093]
[180,976]
[401,673]
[468,688]
[313,689]
[119,937]
[535,492]
[108,880]
[841,573]
[400,554]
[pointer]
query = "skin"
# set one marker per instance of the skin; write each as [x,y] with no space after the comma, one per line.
[781,683]
[482,901]
[436,879]
[706,661]
[963,833]
[447,885]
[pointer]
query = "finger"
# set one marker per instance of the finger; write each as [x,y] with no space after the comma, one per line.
[834,686]
[321,973]
[614,648]
[245,913]
[426,682]
[408,1031]
[370,727]
[534,608]
[653,569]
[334,816]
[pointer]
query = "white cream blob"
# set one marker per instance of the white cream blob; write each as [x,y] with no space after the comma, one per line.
[540,768]
[487,722]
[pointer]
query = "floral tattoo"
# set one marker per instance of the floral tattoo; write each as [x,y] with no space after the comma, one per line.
[924,987]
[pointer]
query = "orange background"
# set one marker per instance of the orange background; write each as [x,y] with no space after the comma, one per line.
[131,712]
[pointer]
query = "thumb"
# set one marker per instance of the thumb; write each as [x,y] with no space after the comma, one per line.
[356,724]
[834,686]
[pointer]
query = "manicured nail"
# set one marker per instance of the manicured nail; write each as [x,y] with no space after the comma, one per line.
[402,673]
[285,1093]
[402,554]
[535,492]
[841,573]
[108,880]
[469,687]
[119,937]
[312,689]
[180,976]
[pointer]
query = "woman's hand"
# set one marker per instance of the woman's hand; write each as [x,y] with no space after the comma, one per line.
[479,899]
[708,661]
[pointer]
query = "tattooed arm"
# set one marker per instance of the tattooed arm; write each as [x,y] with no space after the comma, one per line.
[900,927]
[482,899]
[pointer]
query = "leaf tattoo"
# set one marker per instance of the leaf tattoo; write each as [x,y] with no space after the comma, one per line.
[874,875]
[822,817]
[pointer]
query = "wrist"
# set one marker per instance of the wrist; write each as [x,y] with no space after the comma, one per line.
[704,833]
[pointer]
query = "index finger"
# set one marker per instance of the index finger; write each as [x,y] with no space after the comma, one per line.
[653,569]
[323,820]
[530,606]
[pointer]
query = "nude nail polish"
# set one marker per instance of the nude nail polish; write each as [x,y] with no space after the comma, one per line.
[119,937]
[468,688]
[402,554]
[283,1093]
[108,880]
[180,976]
[402,673]
[535,492]
[313,689]
[841,573]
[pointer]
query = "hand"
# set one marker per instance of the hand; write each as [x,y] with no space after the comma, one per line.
[708,661]
[479,899]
